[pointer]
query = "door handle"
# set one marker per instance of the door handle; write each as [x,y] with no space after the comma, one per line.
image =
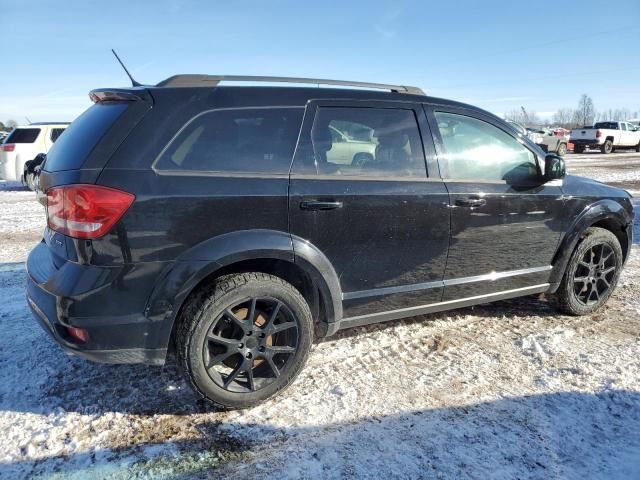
[320,205]
[470,202]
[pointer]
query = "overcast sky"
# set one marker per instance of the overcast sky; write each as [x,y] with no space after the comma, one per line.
[497,55]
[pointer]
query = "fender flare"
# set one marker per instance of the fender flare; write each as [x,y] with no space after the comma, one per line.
[179,278]
[605,209]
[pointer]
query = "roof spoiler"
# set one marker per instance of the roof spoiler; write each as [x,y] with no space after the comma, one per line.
[113,95]
[195,80]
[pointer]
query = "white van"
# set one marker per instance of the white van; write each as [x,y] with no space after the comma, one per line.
[23,144]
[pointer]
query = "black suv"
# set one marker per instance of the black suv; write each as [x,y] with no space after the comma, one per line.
[240,223]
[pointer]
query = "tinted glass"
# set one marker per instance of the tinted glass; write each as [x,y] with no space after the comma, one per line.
[23,135]
[607,125]
[258,140]
[367,141]
[55,133]
[477,150]
[72,148]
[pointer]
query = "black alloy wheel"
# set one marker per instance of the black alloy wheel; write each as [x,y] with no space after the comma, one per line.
[250,344]
[595,273]
[244,339]
[591,273]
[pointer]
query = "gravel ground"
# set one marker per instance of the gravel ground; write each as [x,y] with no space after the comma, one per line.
[504,390]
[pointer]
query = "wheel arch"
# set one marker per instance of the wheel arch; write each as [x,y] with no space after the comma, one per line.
[278,253]
[606,214]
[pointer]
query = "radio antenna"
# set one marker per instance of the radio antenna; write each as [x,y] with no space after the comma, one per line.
[133,82]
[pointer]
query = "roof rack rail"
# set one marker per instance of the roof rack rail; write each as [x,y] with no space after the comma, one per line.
[195,80]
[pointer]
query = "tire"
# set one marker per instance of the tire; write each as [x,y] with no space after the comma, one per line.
[575,296]
[578,149]
[562,149]
[638,147]
[29,181]
[248,362]
[607,147]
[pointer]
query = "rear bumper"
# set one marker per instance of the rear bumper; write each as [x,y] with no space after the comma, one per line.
[74,296]
[586,143]
[7,171]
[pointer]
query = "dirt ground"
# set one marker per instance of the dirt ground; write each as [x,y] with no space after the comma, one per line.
[505,390]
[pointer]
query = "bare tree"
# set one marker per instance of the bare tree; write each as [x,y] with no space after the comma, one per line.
[586,111]
[564,117]
[528,118]
[11,124]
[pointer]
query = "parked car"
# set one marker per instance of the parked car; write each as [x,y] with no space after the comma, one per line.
[606,136]
[23,144]
[548,141]
[217,220]
[352,148]
[3,135]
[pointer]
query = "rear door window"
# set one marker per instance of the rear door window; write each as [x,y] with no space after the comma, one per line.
[23,135]
[72,148]
[246,140]
[378,142]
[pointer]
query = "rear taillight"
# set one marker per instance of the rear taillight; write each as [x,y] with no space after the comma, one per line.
[85,211]
[78,335]
[598,133]
[8,147]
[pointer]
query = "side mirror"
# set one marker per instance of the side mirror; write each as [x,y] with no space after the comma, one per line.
[554,167]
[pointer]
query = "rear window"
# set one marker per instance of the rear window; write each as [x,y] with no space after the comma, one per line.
[607,125]
[23,135]
[79,139]
[243,140]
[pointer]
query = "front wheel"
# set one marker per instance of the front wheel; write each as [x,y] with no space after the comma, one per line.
[245,340]
[607,147]
[591,275]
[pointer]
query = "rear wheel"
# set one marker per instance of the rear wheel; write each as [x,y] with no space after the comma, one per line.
[607,147]
[245,340]
[591,275]
[29,181]
[562,149]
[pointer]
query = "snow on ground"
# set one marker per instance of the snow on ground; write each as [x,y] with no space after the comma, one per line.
[504,390]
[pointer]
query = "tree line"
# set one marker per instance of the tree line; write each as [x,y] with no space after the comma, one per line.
[584,114]
[8,125]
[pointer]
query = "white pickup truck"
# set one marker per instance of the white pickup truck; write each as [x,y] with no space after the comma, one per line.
[606,136]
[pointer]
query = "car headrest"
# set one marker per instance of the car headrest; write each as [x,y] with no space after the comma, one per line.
[321,139]
[391,139]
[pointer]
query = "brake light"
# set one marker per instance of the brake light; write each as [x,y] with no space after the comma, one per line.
[8,147]
[85,211]
[598,133]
